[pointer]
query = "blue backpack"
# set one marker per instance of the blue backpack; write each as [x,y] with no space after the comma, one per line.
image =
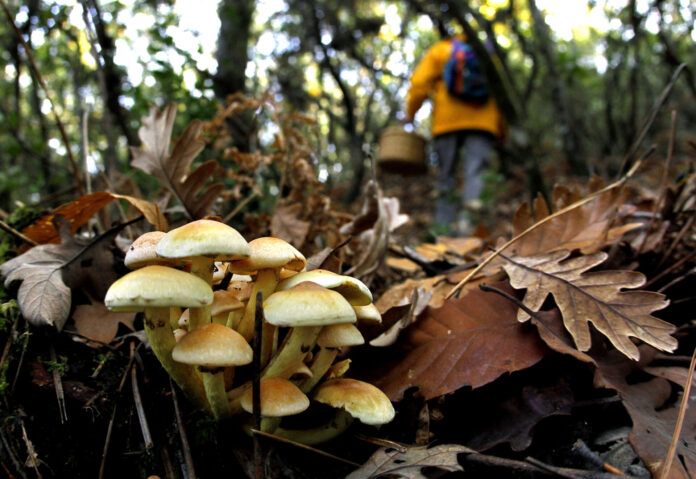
[463,75]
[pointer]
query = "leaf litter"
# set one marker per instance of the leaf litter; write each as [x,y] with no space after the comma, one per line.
[453,346]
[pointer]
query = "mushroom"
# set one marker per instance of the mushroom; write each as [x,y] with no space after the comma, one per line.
[212,347]
[330,340]
[278,398]
[354,290]
[305,308]
[142,251]
[202,242]
[154,289]
[353,399]
[268,257]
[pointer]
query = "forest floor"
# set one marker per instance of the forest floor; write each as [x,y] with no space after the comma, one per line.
[559,414]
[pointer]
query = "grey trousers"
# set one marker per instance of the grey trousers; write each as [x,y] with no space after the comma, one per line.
[477,149]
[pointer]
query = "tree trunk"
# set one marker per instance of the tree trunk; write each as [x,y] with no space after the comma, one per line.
[232,57]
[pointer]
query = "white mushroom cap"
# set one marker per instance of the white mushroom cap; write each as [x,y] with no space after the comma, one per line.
[142,251]
[354,290]
[368,314]
[208,238]
[213,346]
[279,397]
[157,286]
[269,252]
[307,304]
[362,400]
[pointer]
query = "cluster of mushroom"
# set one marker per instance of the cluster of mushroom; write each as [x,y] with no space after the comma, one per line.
[200,327]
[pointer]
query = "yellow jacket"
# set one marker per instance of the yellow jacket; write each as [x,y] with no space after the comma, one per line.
[449,113]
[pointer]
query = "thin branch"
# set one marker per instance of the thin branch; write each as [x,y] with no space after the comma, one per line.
[256,432]
[140,410]
[571,207]
[667,465]
[188,458]
[58,384]
[14,232]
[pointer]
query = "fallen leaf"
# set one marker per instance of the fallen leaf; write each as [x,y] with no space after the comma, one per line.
[173,170]
[95,322]
[653,419]
[594,297]
[469,341]
[43,297]
[512,417]
[287,225]
[78,212]
[392,462]
[588,227]
[417,303]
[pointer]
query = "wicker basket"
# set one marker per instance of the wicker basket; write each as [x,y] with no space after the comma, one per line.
[401,152]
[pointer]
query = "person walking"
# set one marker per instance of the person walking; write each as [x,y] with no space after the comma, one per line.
[457,127]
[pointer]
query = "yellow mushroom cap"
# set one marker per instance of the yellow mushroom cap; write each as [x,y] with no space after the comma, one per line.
[354,290]
[279,397]
[340,335]
[307,304]
[157,286]
[223,302]
[208,238]
[269,252]
[213,346]
[362,400]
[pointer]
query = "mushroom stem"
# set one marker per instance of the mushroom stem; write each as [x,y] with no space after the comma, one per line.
[321,363]
[317,435]
[297,344]
[214,383]
[266,281]
[203,268]
[161,337]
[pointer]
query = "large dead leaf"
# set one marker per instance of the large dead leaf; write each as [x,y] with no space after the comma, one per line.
[594,297]
[287,225]
[653,418]
[392,462]
[95,322]
[588,227]
[78,212]
[173,170]
[469,341]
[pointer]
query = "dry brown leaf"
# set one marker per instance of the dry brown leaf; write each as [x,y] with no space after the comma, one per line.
[587,228]
[468,341]
[392,462]
[653,419]
[173,170]
[95,322]
[78,212]
[593,297]
[417,303]
[286,224]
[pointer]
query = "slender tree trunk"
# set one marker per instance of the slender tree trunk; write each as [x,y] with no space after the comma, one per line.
[232,57]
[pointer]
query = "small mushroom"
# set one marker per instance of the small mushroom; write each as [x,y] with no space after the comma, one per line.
[354,290]
[212,347]
[154,289]
[202,242]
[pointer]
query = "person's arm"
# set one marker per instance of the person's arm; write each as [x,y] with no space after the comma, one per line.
[422,82]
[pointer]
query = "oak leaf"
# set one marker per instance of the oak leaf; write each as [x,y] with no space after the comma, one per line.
[588,227]
[408,464]
[79,211]
[469,341]
[286,224]
[594,297]
[173,170]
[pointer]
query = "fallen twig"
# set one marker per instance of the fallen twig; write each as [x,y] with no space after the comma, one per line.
[664,472]
[188,458]
[147,437]
[256,432]
[58,384]
[16,233]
